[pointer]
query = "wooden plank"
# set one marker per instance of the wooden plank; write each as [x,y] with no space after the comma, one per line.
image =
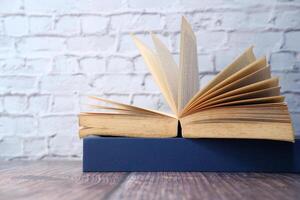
[54,180]
[65,180]
[208,186]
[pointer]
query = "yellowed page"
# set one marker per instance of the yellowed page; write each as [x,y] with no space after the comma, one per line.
[242,61]
[268,92]
[154,65]
[273,99]
[255,77]
[261,85]
[132,108]
[169,68]
[188,84]
[259,75]
[251,68]
[127,125]
[243,122]
[274,112]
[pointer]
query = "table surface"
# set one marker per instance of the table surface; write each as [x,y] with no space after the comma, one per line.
[65,180]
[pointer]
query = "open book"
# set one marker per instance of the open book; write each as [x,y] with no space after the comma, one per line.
[242,101]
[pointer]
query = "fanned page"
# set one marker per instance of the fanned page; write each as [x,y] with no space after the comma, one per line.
[244,103]
[125,120]
[243,60]
[261,121]
[188,84]
[163,69]
[169,67]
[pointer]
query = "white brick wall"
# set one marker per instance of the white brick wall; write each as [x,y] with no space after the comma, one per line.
[54,53]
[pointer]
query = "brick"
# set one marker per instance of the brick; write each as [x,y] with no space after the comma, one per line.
[20,66]
[8,7]
[37,66]
[124,98]
[204,3]
[207,41]
[162,105]
[152,4]
[63,104]
[7,126]
[287,19]
[6,44]
[150,85]
[67,25]
[38,104]
[229,21]
[58,6]
[264,42]
[91,43]
[95,6]
[64,145]
[146,101]
[64,84]
[296,123]
[65,65]
[293,101]
[1,104]
[92,65]
[259,20]
[35,147]
[282,61]
[205,79]
[2,29]
[25,125]
[11,147]
[40,25]
[119,65]
[130,23]
[119,83]
[127,45]
[32,44]
[173,22]
[205,63]
[289,81]
[51,125]
[225,57]
[94,24]
[16,25]
[12,66]
[20,84]
[15,104]
[139,65]
[292,41]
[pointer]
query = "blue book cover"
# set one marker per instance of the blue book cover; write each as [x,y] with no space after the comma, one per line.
[121,154]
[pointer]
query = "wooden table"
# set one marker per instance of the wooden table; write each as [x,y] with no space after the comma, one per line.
[65,180]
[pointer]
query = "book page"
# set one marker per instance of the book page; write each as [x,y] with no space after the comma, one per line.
[248,70]
[243,60]
[127,125]
[261,121]
[188,68]
[127,107]
[261,85]
[259,75]
[268,92]
[169,67]
[160,74]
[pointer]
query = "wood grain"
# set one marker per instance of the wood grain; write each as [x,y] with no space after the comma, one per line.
[65,180]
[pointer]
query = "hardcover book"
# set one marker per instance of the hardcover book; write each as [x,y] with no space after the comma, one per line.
[243,101]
